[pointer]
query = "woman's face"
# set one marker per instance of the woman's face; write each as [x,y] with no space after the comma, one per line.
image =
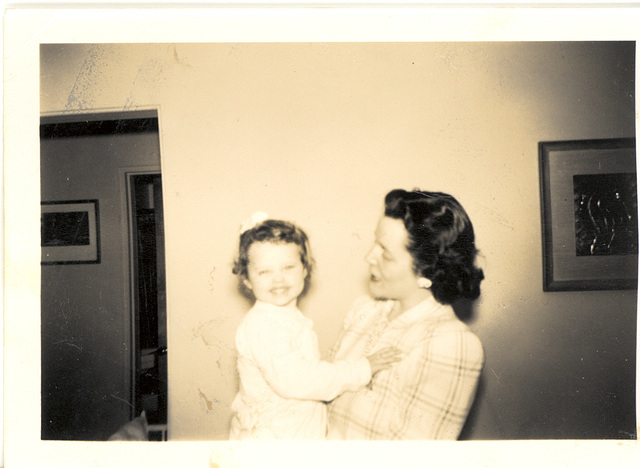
[390,263]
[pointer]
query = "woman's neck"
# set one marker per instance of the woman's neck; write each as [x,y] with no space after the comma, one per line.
[409,302]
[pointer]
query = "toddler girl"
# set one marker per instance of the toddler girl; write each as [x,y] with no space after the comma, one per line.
[283,381]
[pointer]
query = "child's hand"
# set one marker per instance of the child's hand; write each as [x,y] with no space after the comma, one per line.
[383,358]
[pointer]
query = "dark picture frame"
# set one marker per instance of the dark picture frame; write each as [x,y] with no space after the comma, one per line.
[589,214]
[70,232]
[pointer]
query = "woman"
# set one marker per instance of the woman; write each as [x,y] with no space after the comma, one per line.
[421,262]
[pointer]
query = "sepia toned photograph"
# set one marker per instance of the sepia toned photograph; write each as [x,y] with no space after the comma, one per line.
[316,250]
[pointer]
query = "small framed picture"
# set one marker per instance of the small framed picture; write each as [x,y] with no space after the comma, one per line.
[589,214]
[69,232]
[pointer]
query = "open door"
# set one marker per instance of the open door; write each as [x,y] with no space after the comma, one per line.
[149,301]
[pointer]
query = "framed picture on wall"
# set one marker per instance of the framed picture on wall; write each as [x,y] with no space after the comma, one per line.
[69,232]
[589,214]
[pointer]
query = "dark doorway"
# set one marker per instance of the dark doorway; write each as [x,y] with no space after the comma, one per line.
[149,291]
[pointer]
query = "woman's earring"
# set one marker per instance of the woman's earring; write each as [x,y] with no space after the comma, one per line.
[424,283]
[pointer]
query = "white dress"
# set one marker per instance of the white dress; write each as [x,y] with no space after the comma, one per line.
[283,381]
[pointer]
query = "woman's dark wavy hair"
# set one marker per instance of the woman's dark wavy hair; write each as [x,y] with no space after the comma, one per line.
[441,242]
[277,232]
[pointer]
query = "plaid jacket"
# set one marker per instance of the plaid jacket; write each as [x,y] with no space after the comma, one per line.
[425,396]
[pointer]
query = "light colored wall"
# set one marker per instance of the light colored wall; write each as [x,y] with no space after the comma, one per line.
[318,133]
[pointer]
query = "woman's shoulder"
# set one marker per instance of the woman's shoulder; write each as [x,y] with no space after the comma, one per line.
[454,336]
[449,322]
[441,328]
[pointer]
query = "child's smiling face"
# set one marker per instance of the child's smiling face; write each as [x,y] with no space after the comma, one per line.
[275,273]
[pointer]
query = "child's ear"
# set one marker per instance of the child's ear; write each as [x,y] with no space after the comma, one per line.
[247,284]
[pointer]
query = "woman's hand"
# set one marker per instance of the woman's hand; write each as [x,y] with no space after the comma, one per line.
[383,358]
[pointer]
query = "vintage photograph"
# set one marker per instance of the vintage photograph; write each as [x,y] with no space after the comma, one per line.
[299,242]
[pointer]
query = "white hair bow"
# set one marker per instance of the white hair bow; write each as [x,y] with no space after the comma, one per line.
[253,220]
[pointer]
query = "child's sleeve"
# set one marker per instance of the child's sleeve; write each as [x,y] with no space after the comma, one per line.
[290,363]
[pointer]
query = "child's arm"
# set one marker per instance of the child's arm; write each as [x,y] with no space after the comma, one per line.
[290,362]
